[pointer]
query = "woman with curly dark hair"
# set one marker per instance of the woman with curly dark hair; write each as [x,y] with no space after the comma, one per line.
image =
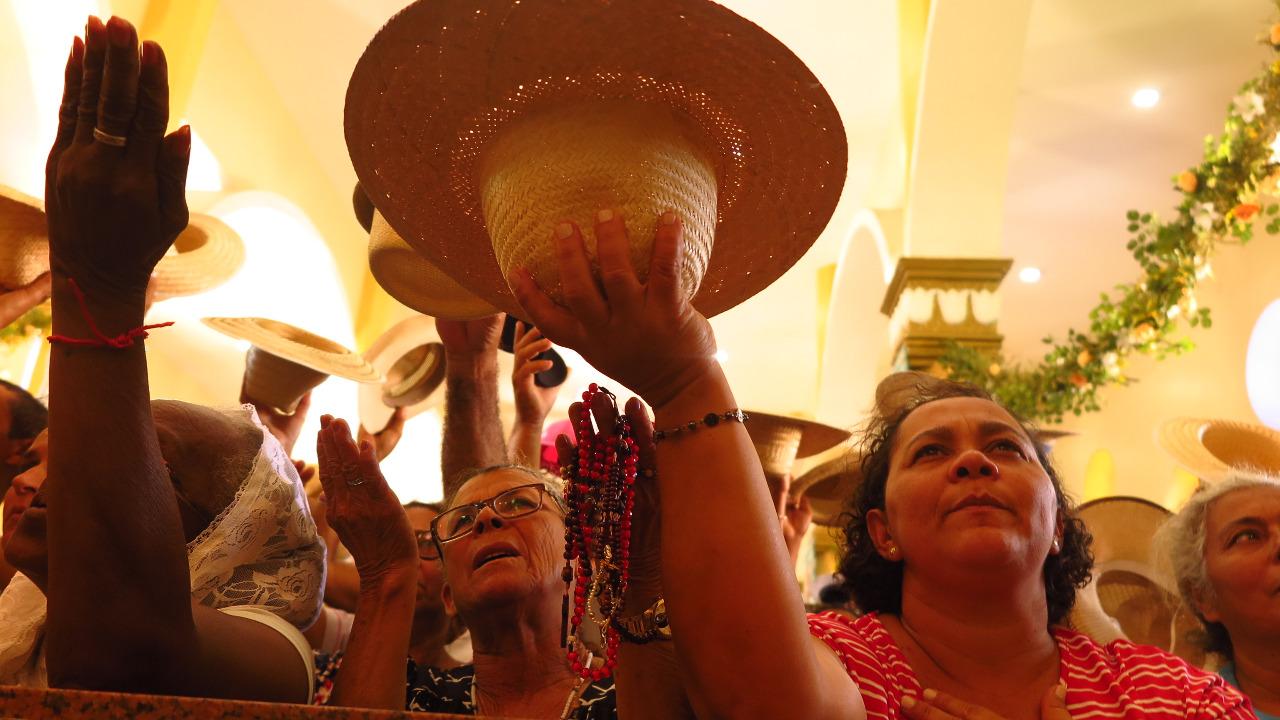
[875,581]
[975,545]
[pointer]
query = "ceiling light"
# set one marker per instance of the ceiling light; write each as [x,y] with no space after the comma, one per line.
[1146,98]
[1029,275]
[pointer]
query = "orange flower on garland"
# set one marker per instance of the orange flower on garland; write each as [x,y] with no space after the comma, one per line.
[1244,211]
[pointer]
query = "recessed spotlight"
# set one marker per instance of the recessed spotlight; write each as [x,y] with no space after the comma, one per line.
[722,356]
[1029,275]
[1146,98]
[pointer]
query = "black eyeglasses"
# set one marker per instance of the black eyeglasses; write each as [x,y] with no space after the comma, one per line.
[508,505]
[427,549]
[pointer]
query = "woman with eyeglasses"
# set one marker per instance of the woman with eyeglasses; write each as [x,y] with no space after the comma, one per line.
[500,542]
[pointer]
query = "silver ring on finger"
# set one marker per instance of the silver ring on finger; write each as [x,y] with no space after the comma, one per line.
[107,138]
[355,483]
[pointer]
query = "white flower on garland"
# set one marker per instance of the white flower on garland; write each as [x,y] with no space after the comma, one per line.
[1248,106]
[1204,215]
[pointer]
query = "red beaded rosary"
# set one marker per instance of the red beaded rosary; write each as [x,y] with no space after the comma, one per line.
[600,496]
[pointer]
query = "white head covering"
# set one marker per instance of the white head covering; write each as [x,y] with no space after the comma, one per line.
[261,550]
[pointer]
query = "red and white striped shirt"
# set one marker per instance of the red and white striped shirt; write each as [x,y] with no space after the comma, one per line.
[1119,680]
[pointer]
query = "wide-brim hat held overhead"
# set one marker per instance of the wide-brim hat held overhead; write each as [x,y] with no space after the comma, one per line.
[1210,449]
[780,440]
[287,361]
[476,128]
[1126,595]
[411,357]
[203,256]
[407,276]
[24,238]
[830,487]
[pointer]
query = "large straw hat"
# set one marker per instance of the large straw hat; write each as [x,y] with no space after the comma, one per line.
[475,129]
[1126,597]
[411,357]
[1211,448]
[286,361]
[830,487]
[416,283]
[24,238]
[205,255]
[780,440]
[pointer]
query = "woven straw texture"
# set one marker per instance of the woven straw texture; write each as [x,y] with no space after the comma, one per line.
[276,382]
[444,80]
[830,487]
[416,283]
[568,163]
[24,238]
[811,437]
[1211,448]
[299,346]
[411,357]
[204,256]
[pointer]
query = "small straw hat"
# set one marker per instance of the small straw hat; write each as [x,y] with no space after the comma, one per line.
[24,238]
[830,487]
[1126,597]
[781,440]
[416,283]
[411,357]
[205,255]
[286,361]
[475,130]
[1209,449]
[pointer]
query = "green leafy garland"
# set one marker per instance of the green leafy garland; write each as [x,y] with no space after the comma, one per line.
[35,321]
[1232,189]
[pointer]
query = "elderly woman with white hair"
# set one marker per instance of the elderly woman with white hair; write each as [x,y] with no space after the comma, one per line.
[1224,551]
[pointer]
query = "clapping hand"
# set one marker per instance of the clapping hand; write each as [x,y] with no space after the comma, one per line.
[361,507]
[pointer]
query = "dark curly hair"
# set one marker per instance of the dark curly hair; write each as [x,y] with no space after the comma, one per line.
[876,583]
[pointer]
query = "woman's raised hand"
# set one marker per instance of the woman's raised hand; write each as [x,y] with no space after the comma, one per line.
[647,336]
[646,546]
[361,507]
[115,184]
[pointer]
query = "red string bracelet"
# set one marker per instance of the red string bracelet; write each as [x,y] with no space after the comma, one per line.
[119,342]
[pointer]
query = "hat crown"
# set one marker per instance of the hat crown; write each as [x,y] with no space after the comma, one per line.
[569,163]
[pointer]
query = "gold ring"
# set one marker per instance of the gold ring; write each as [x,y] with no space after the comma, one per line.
[108,139]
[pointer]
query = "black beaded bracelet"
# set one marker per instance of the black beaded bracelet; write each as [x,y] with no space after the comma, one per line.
[710,420]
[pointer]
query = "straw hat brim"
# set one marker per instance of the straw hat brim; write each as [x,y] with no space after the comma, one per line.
[815,436]
[416,283]
[299,346]
[205,255]
[24,238]
[1210,449]
[378,402]
[830,487]
[1124,573]
[442,79]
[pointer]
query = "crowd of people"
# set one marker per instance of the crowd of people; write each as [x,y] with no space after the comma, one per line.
[162,547]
